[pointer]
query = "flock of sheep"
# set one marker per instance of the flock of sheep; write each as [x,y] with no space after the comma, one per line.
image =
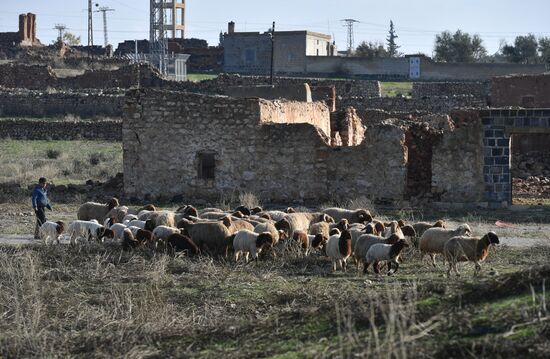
[335,232]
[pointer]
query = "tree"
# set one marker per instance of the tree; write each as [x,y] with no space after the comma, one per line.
[71,39]
[392,46]
[371,50]
[544,50]
[459,47]
[523,51]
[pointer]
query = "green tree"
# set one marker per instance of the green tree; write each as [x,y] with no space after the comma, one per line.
[371,50]
[71,39]
[544,50]
[459,47]
[523,51]
[392,46]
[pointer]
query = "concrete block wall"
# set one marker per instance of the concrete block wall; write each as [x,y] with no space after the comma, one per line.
[498,126]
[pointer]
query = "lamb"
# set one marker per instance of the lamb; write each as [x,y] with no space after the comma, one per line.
[136,223]
[463,249]
[51,231]
[239,224]
[422,227]
[244,210]
[118,213]
[143,236]
[161,233]
[88,230]
[97,211]
[118,231]
[433,240]
[339,249]
[278,235]
[381,252]
[213,238]
[128,240]
[366,241]
[302,220]
[353,216]
[320,228]
[251,243]
[309,242]
[178,243]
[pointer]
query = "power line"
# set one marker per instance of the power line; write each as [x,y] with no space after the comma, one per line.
[104,10]
[349,24]
[61,29]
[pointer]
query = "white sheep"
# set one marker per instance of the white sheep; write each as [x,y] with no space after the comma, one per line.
[97,211]
[339,249]
[251,243]
[163,232]
[433,240]
[128,218]
[474,249]
[136,223]
[278,235]
[302,220]
[366,241]
[88,230]
[51,231]
[118,231]
[382,252]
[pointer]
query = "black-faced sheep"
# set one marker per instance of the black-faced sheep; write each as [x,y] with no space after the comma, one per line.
[353,216]
[473,249]
[381,252]
[278,235]
[97,211]
[433,240]
[339,249]
[309,242]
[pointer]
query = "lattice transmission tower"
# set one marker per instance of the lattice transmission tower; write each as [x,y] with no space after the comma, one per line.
[349,23]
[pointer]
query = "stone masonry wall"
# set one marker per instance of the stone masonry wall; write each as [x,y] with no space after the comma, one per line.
[402,104]
[290,112]
[438,89]
[499,125]
[531,91]
[110,130]
[25,103]
[166,135]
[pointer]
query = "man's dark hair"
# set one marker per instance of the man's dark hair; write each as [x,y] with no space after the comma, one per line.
[42,180]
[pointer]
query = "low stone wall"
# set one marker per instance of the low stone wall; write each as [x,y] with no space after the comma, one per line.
[110,130]
[401,104]
[438,89]
[13,75]
[26,103]
[521,90]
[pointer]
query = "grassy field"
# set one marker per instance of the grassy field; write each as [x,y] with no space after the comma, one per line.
[392,89]
[200,77]
[63,162]
[100,301]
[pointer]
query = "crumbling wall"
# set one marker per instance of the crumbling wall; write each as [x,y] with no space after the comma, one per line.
[166,135]
[375,169]
[457,164]
[34,77]
[439,89]
[28,103]
[290,112]
[346,128]
[440,105]
[300,92]
[532,91]
[110,130]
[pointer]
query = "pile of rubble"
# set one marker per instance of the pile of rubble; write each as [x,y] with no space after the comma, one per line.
[531,164]
[531,187]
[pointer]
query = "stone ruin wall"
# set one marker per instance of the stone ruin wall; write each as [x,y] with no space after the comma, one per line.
[164,134]
[22,129]
[478,90]
[530,91]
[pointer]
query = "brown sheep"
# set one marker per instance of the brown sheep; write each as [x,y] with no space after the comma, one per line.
[463,249]
[179,243]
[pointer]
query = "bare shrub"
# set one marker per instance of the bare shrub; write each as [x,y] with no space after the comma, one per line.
[249,200]
[53,154]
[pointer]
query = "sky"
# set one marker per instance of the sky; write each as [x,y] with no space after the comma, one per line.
[416,22]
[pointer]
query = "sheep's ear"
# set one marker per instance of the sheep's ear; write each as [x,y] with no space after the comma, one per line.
[401,223]
[226,221]
[379,226]
[290,210]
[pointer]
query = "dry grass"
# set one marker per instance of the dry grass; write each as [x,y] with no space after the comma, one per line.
[101,301]
[63,162]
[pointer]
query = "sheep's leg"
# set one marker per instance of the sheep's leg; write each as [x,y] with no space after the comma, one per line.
[449,269]
[478,267]
[365,268]
[344,265]
[237,256]
[246,255]
[334,266]
[376,268]
[396,266]
[432,256]
[455,266]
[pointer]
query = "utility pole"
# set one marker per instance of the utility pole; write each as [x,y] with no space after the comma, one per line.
[90,24]
[104,10]
[272,52]
[158,40]
[61,28]
[348,23]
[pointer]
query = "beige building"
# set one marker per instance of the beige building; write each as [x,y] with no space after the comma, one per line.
[250,52]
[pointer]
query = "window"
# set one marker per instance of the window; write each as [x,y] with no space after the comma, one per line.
[207,165]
